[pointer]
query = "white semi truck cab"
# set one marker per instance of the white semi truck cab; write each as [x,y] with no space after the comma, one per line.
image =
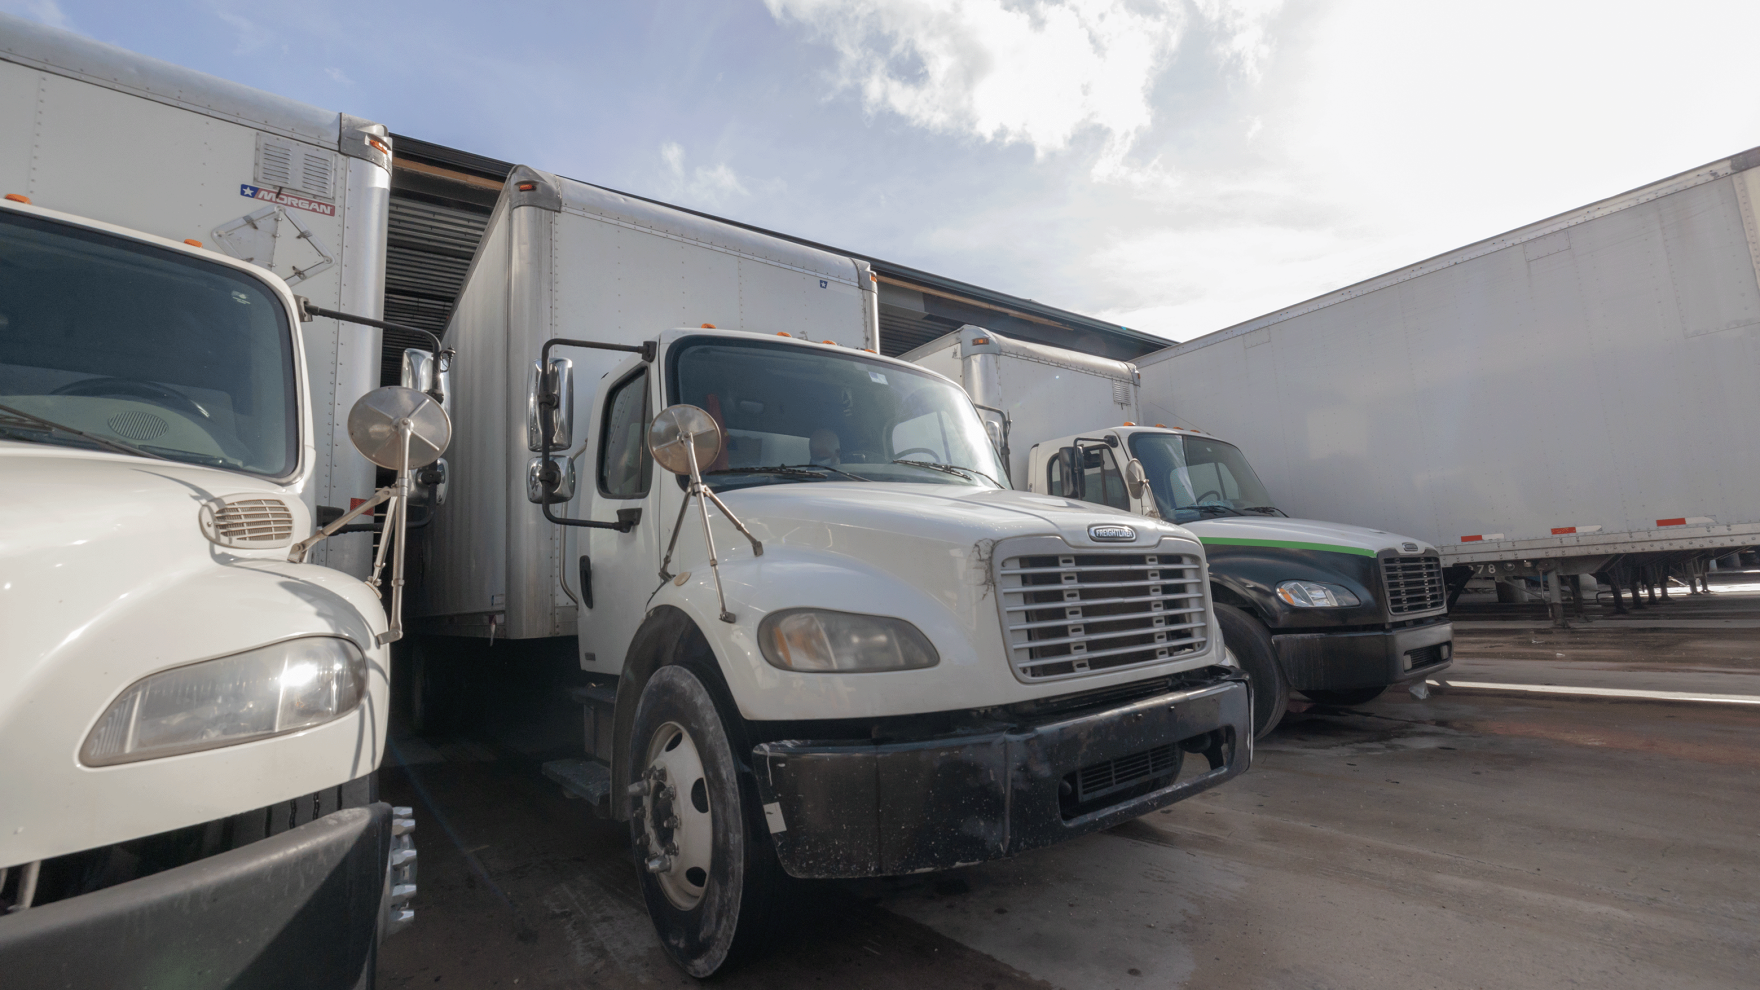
[1336,612]
[837,643]
[190,722]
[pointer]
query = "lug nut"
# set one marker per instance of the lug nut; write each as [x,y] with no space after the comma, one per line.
[659,864]
[640,788]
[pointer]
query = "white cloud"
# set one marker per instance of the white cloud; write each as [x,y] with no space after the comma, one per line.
[1034,74]
[704,186]
[339,76]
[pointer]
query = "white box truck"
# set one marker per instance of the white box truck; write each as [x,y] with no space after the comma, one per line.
[190,722]
[1570,397]
[890,663]
[101,132]
[191,719]
[1337,612]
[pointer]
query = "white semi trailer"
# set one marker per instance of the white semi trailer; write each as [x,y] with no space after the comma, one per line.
[851,650]
[1337,612]
[1574,396]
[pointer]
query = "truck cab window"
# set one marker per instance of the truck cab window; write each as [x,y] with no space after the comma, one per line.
[796,415]
[625,466]
[1193,477]
[181,356]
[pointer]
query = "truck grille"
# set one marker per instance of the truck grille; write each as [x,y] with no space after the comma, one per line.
[1414,584]
[1071,614]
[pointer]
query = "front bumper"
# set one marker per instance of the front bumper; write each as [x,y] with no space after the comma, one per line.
[299,909]
[1339,660]
[846,809]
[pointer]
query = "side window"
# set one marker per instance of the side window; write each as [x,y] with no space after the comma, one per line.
[625,467]
[1101,481]
[1056,479]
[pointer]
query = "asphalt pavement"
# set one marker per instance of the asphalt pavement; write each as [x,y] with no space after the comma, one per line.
[1477,838]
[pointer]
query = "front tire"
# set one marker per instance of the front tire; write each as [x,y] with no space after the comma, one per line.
[708,873]
[1252,649]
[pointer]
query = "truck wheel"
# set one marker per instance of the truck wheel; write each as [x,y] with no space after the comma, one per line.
[1346,696]
[1252,648]
[707,872]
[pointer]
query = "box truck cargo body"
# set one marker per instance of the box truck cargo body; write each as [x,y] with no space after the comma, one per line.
[1571,393]
[1336,611]
[104,133]
[850,649]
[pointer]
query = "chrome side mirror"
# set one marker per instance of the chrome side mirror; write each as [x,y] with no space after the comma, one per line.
[683,439]
[1136,480]
[552,392]
[535,481]
[401,429]
[427,372]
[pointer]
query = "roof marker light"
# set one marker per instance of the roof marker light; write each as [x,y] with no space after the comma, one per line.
[384,149]
[833,343]
[783,333]
[1129,423]
[192,242]
[16,198]
[527,186]
[709,326]
[980,340]
[1158,426]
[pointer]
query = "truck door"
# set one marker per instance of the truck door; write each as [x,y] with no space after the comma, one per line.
[1096,478]
[622,568]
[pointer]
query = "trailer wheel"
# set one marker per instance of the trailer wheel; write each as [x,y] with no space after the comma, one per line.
[1346,696]
[1251,646]
[708,874]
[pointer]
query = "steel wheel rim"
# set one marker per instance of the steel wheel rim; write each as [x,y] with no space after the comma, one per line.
[678,820]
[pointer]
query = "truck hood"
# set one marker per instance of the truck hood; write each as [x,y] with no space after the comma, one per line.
[955,514]
[83,532]
[1300,534]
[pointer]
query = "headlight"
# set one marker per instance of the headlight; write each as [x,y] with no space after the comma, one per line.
[1313,594]
[811,639]
[262,692]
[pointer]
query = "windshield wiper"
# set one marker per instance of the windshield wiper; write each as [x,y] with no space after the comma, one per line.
[1216,507]
[791,470]
[953,469]
[116,445]
[1267,510]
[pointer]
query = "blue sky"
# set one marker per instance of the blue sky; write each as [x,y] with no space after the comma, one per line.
[1173,165]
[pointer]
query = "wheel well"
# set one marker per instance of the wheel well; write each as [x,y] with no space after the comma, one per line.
[1223,595]
[668,636]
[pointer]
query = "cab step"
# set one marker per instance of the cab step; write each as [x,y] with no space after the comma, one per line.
[588,780]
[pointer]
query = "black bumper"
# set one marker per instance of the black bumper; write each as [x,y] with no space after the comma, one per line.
[844,809]
[299,909]
[1339,660]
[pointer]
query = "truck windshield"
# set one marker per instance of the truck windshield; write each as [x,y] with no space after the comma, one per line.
[1195,478]
[796,414]
[177,356]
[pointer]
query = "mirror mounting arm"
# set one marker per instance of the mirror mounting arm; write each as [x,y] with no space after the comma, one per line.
[550,476]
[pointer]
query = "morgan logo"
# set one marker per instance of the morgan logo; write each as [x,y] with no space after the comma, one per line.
[1111,533]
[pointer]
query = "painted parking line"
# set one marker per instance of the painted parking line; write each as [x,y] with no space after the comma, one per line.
[1600,692]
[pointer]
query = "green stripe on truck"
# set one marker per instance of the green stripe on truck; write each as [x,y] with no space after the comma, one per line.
[1229,541]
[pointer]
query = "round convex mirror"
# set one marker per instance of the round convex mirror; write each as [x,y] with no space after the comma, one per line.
[677,426]
[1135,478]
[372,425]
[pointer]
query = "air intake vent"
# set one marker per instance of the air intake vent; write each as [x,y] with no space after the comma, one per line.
[1121,393]
[293,167]
[248,522]
[138,425]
